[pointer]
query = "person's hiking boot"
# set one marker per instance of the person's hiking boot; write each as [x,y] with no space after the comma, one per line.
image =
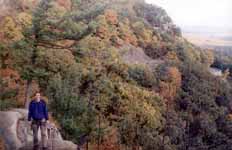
[36,147]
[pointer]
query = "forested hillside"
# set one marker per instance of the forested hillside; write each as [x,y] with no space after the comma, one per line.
[117,74]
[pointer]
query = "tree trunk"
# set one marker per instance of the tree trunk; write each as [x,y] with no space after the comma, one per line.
[99,136]
[87,145]
[29,81]
[27,94]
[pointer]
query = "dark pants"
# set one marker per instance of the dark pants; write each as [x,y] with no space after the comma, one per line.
[36,124]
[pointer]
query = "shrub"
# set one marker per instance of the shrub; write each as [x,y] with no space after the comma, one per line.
[7,97]
[142,75]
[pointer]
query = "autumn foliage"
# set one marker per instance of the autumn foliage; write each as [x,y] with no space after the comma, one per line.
[169,87]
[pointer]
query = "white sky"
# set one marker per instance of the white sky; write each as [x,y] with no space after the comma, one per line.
[211,13]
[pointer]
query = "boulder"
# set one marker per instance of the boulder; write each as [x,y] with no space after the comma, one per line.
[17,133]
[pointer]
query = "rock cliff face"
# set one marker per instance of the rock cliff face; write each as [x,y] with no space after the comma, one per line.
[134,55]
[17,134]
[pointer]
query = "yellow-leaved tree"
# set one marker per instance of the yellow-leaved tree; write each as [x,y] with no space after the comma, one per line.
[170,83]
[9,30]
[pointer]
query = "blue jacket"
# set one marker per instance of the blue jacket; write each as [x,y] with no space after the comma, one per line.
[37,110]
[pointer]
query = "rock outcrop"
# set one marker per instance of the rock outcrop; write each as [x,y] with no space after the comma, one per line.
[135,55]
[17,133]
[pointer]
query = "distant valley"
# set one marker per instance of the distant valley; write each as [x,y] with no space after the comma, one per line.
[219,39]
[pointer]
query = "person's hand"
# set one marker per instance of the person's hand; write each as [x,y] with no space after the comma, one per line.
[29,123]
[44,120]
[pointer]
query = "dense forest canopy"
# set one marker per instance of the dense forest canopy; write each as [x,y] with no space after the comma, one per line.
[74,52]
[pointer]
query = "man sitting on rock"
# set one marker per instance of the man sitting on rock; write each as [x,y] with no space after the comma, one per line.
[38,117]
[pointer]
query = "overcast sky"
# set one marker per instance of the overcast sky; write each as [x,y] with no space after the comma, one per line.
[212,13]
